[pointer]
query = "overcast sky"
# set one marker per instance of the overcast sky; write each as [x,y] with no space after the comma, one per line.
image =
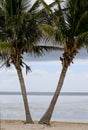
[45,74]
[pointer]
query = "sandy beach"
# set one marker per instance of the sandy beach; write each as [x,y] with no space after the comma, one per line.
[19,125]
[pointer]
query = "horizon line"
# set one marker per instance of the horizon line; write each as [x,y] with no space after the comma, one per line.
[46,93]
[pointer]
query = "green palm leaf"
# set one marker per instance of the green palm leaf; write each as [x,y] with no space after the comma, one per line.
[82,18]
[5,47]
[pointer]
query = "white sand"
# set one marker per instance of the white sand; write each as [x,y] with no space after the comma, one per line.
[19,125]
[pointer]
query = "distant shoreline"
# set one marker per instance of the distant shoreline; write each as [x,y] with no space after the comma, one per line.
[47,93]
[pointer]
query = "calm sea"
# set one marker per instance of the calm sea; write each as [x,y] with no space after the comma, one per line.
[68,108]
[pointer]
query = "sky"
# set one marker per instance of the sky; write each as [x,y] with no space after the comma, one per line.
[49,1]
[45,74]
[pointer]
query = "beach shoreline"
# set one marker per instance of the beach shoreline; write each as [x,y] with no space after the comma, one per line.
[55,125]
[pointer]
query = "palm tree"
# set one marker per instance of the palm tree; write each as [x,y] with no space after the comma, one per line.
[19,33]
[71,31]
[15,30]
[18,28]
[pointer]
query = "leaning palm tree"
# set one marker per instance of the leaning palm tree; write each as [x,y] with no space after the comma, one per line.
[18,27]
[71,31]
[19,33]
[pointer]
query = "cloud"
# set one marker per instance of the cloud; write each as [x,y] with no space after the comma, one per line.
[45,76]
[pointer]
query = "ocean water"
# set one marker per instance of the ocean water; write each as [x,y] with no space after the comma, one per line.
[68,108]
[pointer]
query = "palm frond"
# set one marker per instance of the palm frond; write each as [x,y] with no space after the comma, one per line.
[45,6]
[82,39]
[9,7]
[25,5]
[47,30]
[74,16]
[41,49]
[35,6]
[5,47]
[50,48]
[6,63]
[82,18]
[27,67]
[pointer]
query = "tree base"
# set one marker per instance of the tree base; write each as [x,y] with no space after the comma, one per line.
[44,122]
[28,122]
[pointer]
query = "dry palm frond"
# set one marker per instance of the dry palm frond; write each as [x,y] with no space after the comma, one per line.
[27,67]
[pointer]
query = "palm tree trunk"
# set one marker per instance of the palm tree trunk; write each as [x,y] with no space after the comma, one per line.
[24,94]
[48,114]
